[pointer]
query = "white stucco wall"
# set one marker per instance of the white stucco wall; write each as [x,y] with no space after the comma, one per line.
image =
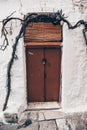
[74,57]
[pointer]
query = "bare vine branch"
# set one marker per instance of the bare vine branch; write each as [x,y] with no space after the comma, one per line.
[4,31]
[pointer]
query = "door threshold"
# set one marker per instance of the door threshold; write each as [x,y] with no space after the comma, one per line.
[43,106]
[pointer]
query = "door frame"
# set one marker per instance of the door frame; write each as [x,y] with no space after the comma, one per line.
[40,42]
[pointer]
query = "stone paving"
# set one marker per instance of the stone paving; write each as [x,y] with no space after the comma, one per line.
[49,120]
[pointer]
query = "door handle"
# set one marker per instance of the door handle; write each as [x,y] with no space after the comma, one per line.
[44,61]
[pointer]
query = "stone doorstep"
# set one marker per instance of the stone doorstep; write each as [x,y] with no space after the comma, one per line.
[39,111]
[43,106]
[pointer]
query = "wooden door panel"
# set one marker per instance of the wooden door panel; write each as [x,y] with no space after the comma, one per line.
[43,32]
[35,75]
[52,69]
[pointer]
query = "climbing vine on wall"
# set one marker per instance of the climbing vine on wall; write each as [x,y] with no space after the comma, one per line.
[54,18]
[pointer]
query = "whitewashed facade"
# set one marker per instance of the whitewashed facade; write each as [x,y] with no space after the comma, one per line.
[74,54]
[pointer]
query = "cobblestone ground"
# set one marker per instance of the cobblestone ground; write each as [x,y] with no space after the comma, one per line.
[48,120]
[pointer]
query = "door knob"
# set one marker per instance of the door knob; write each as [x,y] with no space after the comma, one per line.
[44,61]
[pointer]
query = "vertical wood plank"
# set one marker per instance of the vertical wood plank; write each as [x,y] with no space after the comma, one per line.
[35,75]
[53,67]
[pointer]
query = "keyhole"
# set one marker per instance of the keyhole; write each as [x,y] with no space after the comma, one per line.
[44,61]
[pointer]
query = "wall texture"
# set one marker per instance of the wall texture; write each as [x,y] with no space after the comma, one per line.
[74,54]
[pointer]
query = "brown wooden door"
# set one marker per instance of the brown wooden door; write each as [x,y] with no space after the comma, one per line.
[43,74]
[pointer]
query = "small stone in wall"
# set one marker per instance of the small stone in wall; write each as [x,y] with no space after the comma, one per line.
[11,118]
